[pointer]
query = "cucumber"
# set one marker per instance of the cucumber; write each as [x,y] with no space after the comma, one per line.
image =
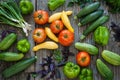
[104,70]
[111,57]
[86,47]
[11,56]
[94,25]
[8,41]
[18,67]
[88,9]
[91,17]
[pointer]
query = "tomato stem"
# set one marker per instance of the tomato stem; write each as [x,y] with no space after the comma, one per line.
[65,36]
[57,26]
[39,16]
[83,59]
[38,34]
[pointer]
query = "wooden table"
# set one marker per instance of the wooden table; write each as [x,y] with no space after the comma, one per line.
[42,4]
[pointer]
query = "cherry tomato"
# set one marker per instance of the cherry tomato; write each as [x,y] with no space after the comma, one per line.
[41,17]
[66,37]
[56,26]
[39,35]
[83,59]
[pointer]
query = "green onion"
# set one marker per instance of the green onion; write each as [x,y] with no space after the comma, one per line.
[10,14]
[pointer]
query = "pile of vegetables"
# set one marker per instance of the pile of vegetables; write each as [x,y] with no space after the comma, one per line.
[23,46]
[59,30]
[91,16]
[57,22]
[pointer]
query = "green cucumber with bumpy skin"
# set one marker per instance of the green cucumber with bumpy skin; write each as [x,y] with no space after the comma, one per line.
[8,41]
[104,70]
[18,67]
[87,10]
[90,18]
[11,56]
[94,25]
[111,57]
[86,47]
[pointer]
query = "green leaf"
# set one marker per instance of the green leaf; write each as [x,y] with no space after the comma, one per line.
[70,4]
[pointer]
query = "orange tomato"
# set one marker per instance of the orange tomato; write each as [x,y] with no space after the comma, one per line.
[41,17]
[56,26]
[39,35]
[83,59]
[66,37]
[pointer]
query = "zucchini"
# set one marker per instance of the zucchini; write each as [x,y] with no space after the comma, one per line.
[104,70]
[88,9]
[86,47]
[11,56]
[91,17]
[8,41]
[94,25]
[18,67]
[111,57]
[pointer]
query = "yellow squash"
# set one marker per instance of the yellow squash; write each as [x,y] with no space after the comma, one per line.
[66,21]
[50,34]
[46,45]
[57,16]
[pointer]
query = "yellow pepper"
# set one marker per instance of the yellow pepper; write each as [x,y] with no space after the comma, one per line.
[50,34]
[66,21]
[46,45]
[57,16]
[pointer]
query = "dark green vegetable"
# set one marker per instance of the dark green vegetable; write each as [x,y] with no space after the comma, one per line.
[101,35]
[90,18]
[11,56]
[8,41]
[86,47]
[71,70]
[79,2]
[57,55]
[18,67]
[86,74]
[54,4]
[114,5]
[87,10]
[10,14]
[26,6]
[104,70]
[94,25]
[23,45]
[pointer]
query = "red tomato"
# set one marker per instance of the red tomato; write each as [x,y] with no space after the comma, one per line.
[56,26]
[39,35]
[66,37]
[41,17]
[83,59]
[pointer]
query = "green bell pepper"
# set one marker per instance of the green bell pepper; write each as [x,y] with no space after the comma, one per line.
[71,70]
[86,74]
[26,6]
[54,4]
[101,35]
[23,45]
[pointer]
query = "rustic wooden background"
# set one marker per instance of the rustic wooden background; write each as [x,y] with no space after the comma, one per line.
[42,4]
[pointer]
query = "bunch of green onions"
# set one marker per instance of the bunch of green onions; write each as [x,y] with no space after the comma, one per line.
[10,14]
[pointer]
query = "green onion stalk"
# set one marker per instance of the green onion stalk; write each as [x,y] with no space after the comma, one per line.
[10,14]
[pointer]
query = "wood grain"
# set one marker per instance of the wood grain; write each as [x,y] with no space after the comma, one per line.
[42,4]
